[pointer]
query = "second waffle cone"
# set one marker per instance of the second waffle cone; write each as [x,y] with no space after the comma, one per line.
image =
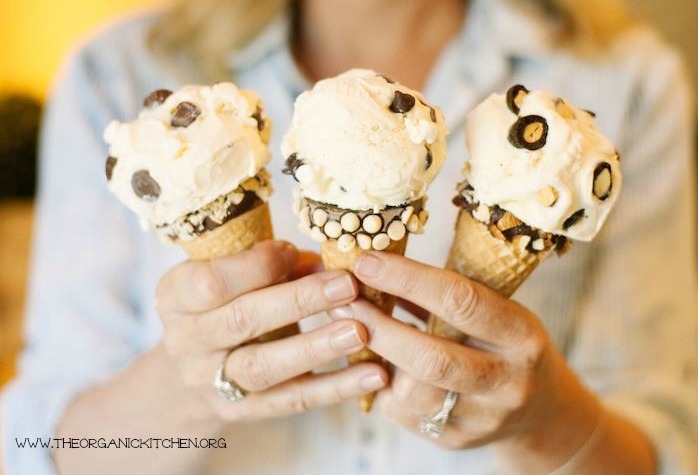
[335,258]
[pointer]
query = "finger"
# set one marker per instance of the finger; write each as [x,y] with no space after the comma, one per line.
[470,307]
[308,263]
[415,396]
[197,286]
[256,313]
[309,391]
[430,359]
[395,411]
[259,366]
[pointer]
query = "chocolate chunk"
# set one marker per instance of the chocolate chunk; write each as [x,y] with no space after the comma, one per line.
[520,230]
[562,244]
[258,117]
[402,103]
[593,114]
[145,186]
[184,114]
[603,181]
[111,163]
[156,97]
[292,164]
[572,220]
[529,132]
[344,190]
[387,79]
[429,158]
[515,96]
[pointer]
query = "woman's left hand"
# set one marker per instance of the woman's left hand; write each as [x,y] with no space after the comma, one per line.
[510,379]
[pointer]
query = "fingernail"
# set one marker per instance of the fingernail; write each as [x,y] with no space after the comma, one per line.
[346,339]
[341,312]
[289,254]
[371,382]
[341,288]
[369,266]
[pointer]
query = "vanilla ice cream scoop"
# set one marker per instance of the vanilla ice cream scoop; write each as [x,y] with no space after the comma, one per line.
[544,161]
[186,150]
[360,141]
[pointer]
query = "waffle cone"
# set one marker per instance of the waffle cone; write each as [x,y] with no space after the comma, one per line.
[236,235]
[334,258]
[500,265]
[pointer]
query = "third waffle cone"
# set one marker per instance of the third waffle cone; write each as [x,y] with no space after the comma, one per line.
[232,237]
[335,258]
[499,264]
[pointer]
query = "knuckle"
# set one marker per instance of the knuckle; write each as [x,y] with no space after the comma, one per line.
[208,285]
[253,369]
[310,352]
[270,264]
[488,374]
[436,365]
[301,301]
[240,322]
[461,300]
[403,388]
[301,402]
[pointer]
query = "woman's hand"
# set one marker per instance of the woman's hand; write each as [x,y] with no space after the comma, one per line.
[511,380]
[210,310]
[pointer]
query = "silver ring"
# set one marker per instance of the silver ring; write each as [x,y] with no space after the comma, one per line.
[227,388]
[435,426]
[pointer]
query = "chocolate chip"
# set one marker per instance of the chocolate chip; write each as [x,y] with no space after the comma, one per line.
[184,114]
[529,132]
[258,117]
[603,181]
[572,220]
[562,244]
[292,164]
[387,79]
[145,186]
[156,97]
[432,114]
[593,114]
[344,190]
[520,230]
[515,96]
[111,163]
[429,158]
[402,103]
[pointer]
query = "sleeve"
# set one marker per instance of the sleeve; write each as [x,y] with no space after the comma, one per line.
[636,337]
[82,319]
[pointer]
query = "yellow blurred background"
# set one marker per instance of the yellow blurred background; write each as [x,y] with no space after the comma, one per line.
[40,33]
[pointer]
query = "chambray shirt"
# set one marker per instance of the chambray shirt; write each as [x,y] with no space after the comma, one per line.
[622,308]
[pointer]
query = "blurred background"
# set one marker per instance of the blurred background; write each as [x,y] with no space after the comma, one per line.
[38,34]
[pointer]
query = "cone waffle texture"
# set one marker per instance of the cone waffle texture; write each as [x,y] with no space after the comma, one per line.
[334,258]
[500,265]
[237,235]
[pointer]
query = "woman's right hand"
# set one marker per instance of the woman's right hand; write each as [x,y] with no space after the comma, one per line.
[211,310]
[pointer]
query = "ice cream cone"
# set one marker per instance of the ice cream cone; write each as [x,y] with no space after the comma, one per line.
[335,258]
[539,174]
[191,165]
[363,150]
[497,263]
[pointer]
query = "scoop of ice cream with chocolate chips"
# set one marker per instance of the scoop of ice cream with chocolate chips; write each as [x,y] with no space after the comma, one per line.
[191,159]
[541,162]
[363,150]
[360,141]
